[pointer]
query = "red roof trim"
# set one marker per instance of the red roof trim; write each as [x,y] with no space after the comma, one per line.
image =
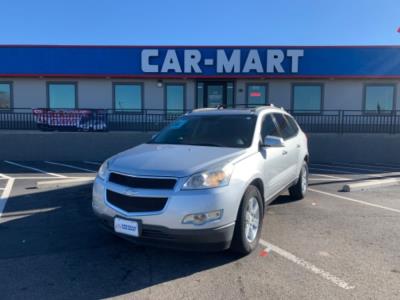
[195,46]
[158,76]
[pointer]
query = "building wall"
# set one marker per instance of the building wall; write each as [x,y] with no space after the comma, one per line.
[93,93]
[97,93]
[337,94]
[29,93]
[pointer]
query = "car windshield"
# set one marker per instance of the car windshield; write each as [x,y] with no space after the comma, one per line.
[209,130]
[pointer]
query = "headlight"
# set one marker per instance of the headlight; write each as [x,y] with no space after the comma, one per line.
[209,179]
[103,170]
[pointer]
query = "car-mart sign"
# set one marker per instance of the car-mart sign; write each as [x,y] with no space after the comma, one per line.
[258,61]
[200,61]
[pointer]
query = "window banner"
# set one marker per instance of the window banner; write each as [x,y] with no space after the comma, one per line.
[75,120]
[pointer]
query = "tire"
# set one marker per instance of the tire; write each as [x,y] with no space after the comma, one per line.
[299,190]
[244,240]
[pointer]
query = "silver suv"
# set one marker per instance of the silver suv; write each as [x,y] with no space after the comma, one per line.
[204,181]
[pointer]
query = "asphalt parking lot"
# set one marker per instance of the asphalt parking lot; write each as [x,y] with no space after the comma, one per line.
[329,245]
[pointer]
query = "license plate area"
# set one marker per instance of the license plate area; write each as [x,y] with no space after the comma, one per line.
[127,227]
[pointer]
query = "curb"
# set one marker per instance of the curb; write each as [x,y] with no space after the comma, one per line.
[64,182]
[369,184]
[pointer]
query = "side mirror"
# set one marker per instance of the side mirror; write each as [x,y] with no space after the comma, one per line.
[273,141]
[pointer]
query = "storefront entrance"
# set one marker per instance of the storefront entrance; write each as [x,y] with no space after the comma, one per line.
[214,93]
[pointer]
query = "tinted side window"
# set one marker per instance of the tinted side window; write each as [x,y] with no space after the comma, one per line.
[269,127]
[292,123]
[286,130]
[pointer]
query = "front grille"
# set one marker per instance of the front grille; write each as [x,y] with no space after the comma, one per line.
[143,182]
[135,204]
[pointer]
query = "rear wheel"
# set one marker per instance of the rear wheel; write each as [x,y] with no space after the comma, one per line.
[249,222]
[299,190]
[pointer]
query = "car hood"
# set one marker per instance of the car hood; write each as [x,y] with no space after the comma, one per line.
[171,160]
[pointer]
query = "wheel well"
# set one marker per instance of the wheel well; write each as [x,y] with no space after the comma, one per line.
[260,185]
[307,159]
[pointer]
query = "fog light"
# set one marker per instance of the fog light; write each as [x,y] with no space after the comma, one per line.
[202,218]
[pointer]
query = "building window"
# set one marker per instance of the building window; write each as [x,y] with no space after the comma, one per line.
[5,95]
[128,96]
[307,98]
[256,94]
[175,98]
[62,95]
[379,98]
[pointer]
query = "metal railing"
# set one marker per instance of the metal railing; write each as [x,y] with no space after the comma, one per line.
[326,121]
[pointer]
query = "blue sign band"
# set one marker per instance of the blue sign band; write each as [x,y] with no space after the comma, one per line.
[200,62]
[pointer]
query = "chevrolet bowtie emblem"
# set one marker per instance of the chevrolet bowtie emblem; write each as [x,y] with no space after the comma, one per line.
[130,193]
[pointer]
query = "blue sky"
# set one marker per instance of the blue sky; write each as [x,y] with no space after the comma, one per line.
[201,22]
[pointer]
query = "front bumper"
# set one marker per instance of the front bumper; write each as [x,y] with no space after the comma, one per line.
[214,239]
[165,228]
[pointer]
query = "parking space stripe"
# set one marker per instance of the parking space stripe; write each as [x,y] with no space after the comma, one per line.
[307,265]
[356,201]
[366,175]
[329,176]
[3,176]
[5,195]
[70,166]
[374,165]
[34,169]
[332,170]
[42,177]
[92,162]
[352,168]
[326,179]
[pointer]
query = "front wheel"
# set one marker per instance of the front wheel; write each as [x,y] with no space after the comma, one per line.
[299,190]
[249,222]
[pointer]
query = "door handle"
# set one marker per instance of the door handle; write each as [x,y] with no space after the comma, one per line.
[284,152]
[298,146]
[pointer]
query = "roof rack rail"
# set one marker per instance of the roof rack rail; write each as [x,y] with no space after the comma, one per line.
[204,109]
[258,108]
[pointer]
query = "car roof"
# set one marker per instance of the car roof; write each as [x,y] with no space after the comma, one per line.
[235,111]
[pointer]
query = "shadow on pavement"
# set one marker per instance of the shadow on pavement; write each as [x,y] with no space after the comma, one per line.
[283,199]
[52,247]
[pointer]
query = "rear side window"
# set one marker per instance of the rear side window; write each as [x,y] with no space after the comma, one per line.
[286,130]
[269,127]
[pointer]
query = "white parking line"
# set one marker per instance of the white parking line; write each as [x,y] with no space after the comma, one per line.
[4,176]
[42,177]
[332,170]
[70,166]
[6,193]
[329,176]
[351,168]
[355,200]
[307,265]
[92,162]
[366,176]
[375,165]
[34,169]
[326,179]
